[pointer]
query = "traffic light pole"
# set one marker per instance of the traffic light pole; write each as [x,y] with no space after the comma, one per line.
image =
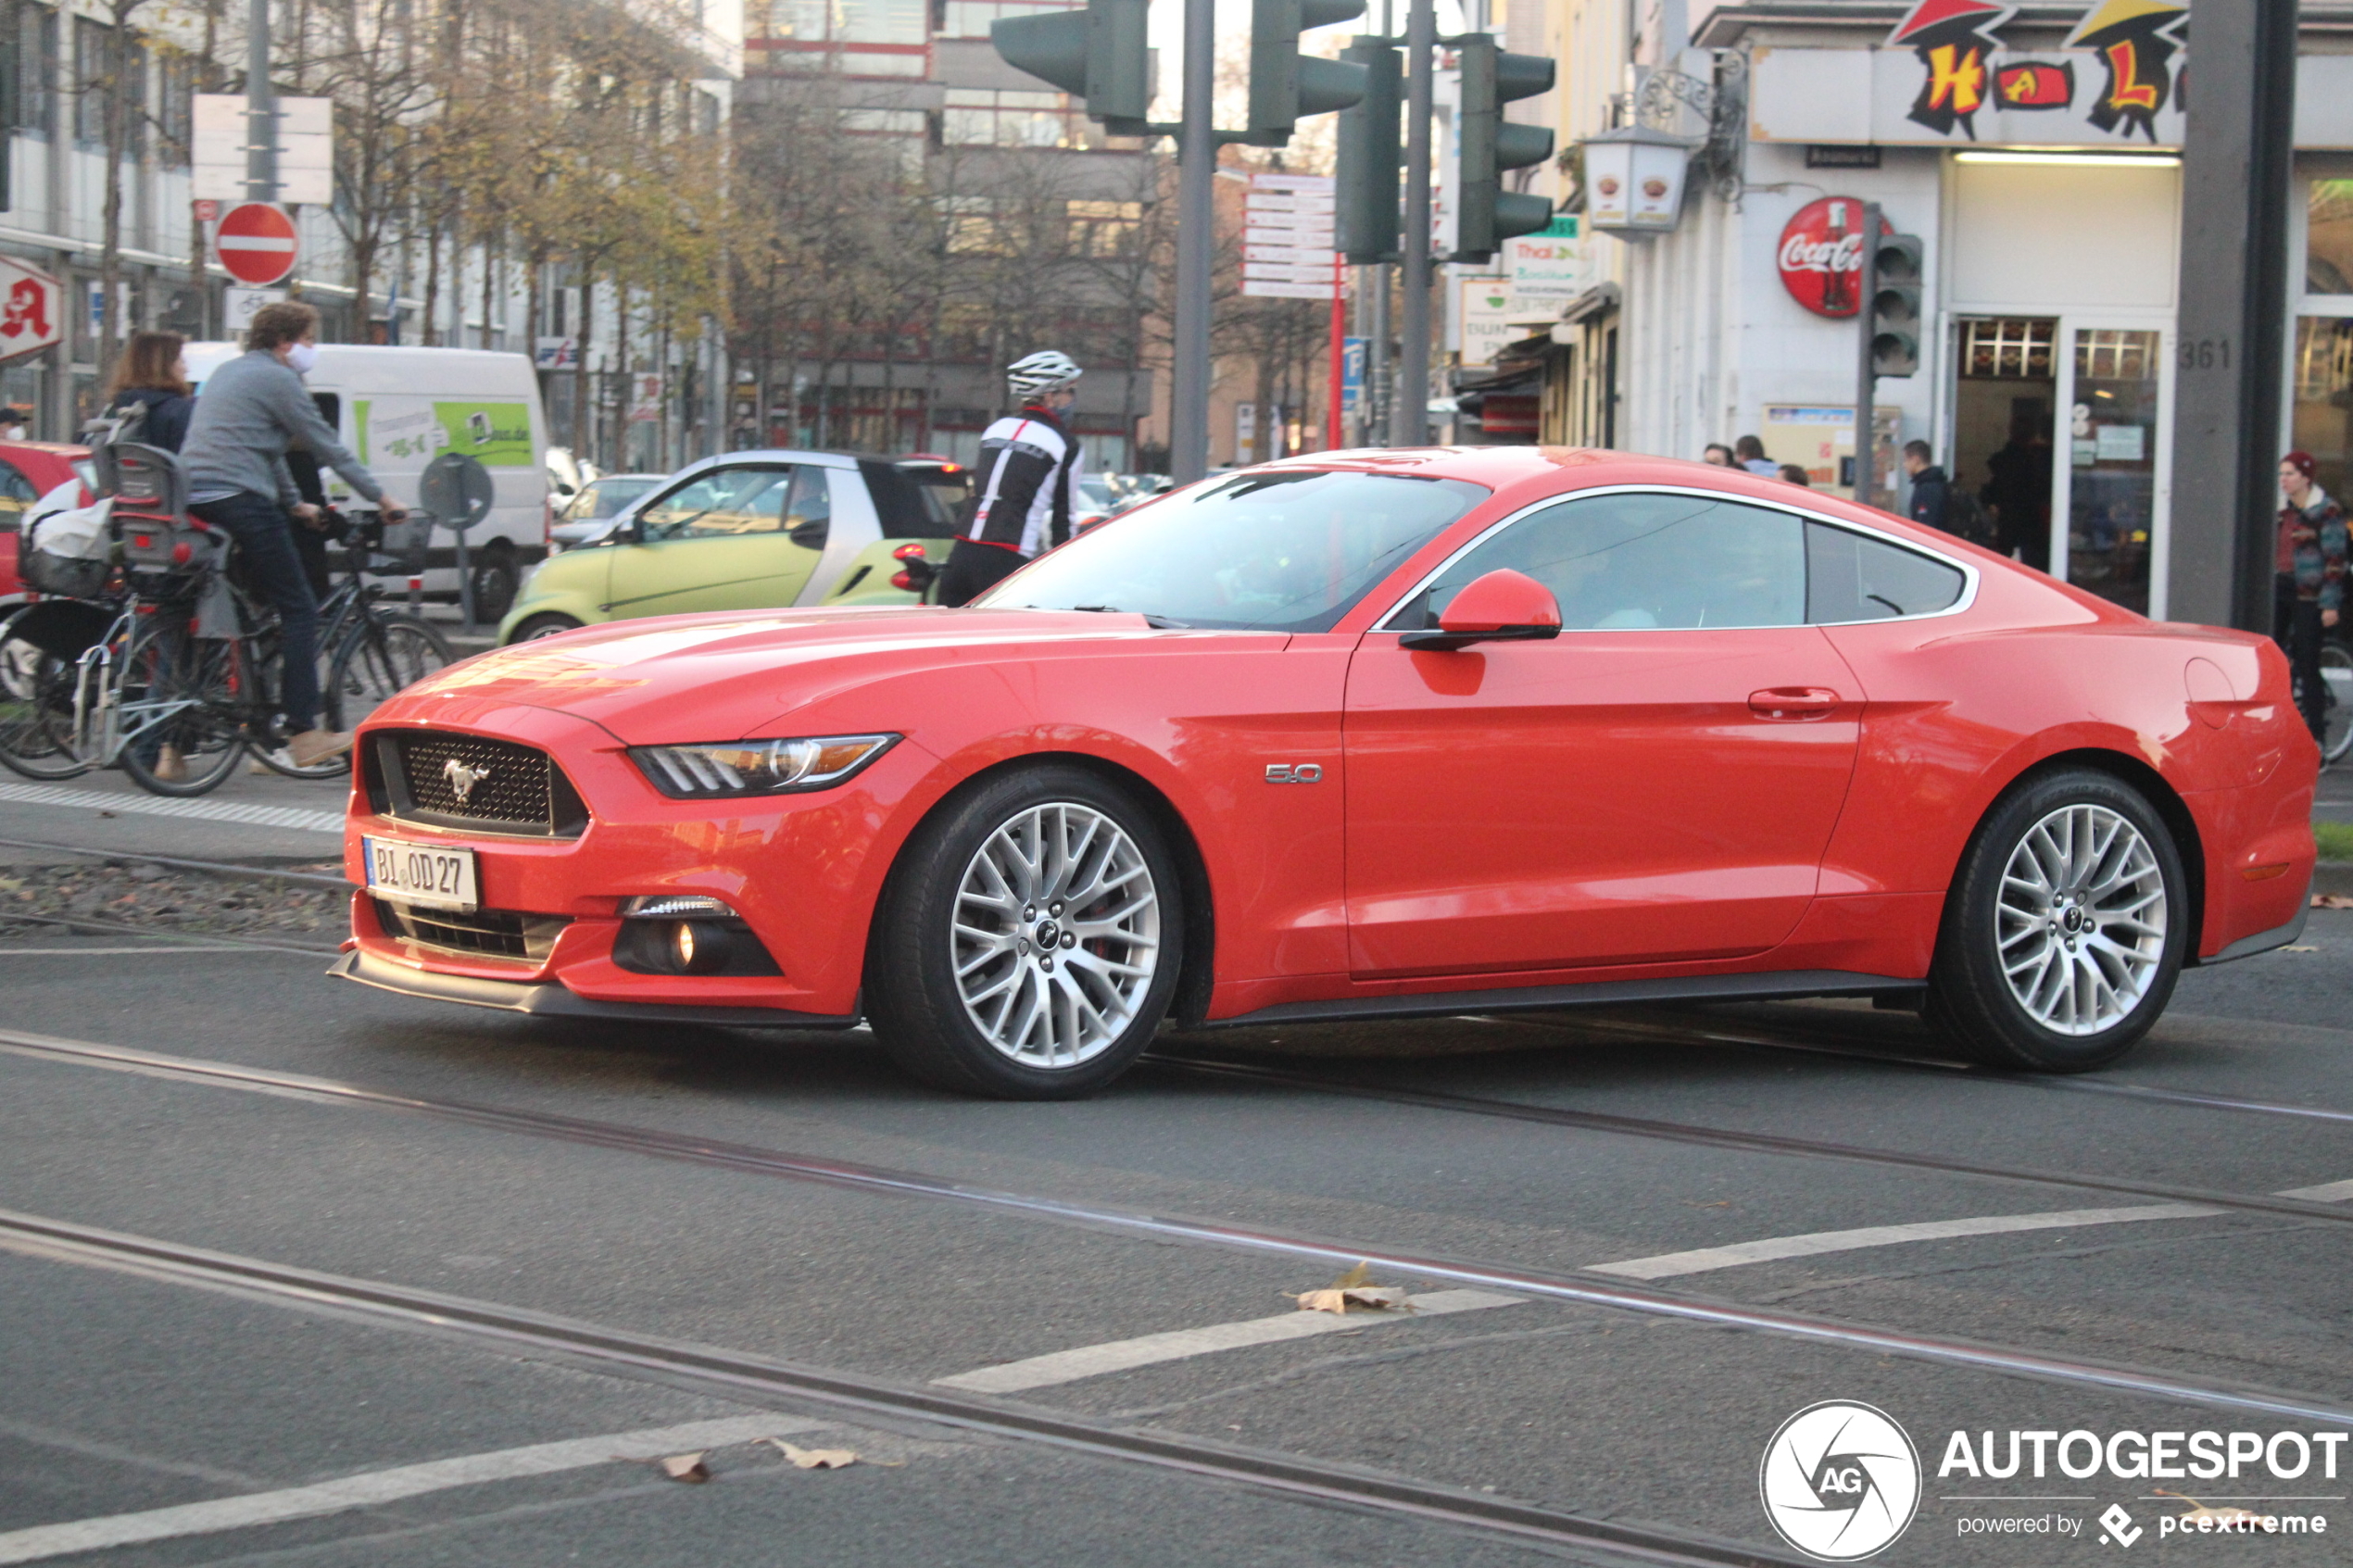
[1866,372]
[1409,401]
[1196,189]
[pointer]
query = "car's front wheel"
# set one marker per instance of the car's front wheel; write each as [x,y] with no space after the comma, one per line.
[540,626]
[1030,939]
[2066,928]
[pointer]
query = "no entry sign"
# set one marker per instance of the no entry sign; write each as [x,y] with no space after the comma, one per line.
[255,243]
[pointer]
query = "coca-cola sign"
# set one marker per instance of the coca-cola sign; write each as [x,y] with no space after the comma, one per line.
[1822,255]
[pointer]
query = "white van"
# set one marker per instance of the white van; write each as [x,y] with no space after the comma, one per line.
[398,409]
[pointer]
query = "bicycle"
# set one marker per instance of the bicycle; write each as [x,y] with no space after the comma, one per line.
[2336,672]
[188,661]
[365,651]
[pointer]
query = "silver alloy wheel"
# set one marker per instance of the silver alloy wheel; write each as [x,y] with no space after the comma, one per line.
[1056,935]
[2081,921]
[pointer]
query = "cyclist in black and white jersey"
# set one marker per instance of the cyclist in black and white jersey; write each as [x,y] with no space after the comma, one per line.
[1029,468]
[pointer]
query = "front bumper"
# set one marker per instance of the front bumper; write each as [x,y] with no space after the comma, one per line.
[801,871]
[549,999]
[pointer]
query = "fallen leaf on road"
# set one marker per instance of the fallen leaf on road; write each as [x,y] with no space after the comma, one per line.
[2199,1511]
[827,1459]
[2299,949]
[2333,901]
[685,1467]
[1351,1289]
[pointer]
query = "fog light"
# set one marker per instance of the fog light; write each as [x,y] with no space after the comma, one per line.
[699,947]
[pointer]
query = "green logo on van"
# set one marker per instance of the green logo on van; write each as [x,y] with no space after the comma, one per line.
[497,434]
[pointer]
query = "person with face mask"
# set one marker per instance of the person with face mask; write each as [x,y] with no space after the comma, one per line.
[252,408]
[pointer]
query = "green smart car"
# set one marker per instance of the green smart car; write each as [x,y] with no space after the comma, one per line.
[750,531]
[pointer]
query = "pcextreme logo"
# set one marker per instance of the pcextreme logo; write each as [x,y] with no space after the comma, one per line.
[1840,1481]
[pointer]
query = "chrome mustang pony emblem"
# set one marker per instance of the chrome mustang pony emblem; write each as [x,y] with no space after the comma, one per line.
[463,777]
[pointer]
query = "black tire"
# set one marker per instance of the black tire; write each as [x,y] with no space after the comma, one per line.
[36,712]
[2078,912]
[542,626]
[496,582]
[198,678]
[915,997]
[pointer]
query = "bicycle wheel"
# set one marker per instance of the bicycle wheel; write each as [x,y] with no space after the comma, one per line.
[36,712]
[184,692]
[384,654]
[2336,670]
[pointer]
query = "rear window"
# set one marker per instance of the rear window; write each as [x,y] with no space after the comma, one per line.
[1852,577]
[908,509]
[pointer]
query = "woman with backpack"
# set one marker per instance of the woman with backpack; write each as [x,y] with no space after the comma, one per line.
[150,395]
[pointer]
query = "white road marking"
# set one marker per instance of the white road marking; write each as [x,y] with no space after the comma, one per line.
[1119,1355]
[149,951]
[371,1488]
[2327,1192]
[1700,1260]
[156,806]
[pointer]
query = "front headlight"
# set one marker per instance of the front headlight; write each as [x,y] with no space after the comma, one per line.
[757,767]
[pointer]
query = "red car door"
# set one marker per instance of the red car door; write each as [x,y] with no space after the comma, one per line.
[1659,783]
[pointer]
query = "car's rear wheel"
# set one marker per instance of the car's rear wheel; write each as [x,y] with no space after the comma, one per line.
[2065,928]
[1030,939]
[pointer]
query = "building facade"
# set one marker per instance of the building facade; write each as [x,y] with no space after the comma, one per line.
[2034,151]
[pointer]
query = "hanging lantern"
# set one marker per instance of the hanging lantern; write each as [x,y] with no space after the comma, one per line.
[1634,181]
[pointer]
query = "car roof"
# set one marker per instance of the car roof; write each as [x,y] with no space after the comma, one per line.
[777,454]
[1502,469]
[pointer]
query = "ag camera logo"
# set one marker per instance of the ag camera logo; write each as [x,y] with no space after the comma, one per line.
[1840,1481]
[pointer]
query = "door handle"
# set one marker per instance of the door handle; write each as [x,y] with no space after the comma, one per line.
[1793,704]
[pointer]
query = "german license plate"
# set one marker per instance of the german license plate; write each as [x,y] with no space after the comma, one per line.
[431,874]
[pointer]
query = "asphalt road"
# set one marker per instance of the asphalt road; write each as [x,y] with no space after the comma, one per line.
[1668,1323]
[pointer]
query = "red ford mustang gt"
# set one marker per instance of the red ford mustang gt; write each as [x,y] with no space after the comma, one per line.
[1352,735]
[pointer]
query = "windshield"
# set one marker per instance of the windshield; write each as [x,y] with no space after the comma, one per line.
[1280,550]
[606,496]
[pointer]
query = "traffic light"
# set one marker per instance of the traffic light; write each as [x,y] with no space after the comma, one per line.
[1100,55]
[1486,145]
[1286,86]
[1895,306]
[1371,154]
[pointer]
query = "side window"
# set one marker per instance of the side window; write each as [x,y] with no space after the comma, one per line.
[1637,561]
[809,508]
[1850,577]
[721,505]
[16,494]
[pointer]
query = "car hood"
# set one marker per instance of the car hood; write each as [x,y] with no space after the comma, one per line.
[677,678]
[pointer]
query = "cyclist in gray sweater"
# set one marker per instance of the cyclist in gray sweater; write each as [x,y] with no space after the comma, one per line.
[250,410]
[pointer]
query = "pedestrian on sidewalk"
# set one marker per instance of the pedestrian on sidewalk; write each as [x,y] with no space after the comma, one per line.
[1794,473]
[150,394]
[1749,452]
[1717,456]
[1931,491]
[1028,469]
[2308,580]
[253,409]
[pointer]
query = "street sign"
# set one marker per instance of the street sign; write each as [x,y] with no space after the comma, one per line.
[238,305]
[1287,238]
[457,489]
[205,211]
[255,243]
[306,149]
[1352,375]
[32,315]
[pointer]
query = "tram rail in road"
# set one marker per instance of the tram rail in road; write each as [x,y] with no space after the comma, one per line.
[1594,1289]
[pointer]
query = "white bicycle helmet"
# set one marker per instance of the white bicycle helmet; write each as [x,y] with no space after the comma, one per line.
[1041,373]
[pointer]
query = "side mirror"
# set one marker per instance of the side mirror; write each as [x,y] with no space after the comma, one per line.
[1502,607]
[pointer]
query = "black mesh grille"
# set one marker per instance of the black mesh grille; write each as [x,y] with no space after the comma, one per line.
[475,781]
[494,934]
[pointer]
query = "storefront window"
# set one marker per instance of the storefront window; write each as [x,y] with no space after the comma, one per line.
[2328,241]
[2113,456]
[2322,418]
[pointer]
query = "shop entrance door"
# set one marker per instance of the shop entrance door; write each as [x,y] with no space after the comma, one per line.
[2003,432]
[2111,497]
